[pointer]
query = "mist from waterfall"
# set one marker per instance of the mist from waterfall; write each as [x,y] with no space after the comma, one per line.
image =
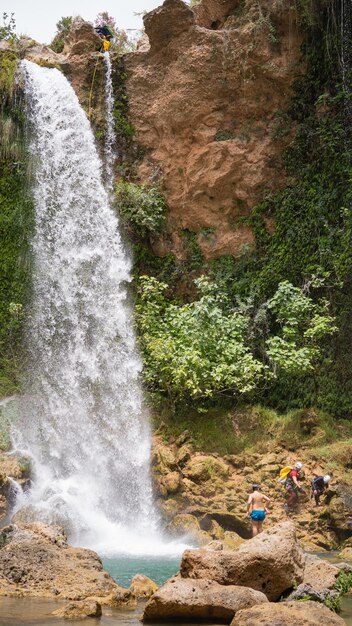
[82,420]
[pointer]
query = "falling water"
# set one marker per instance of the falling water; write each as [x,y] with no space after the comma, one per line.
[110,138]
[82,420]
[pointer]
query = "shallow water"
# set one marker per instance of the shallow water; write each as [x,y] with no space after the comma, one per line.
[346,609]
[37,612]
[123,568]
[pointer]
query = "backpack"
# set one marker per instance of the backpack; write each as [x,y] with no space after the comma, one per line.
[284,474]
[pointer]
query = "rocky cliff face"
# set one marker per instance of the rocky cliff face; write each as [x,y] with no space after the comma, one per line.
[205,98]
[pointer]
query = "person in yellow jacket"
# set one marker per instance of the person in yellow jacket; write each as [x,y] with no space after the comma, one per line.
[106,43]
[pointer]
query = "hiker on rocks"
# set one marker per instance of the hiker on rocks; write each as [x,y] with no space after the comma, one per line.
[293,487]
[256,509]
[319,484]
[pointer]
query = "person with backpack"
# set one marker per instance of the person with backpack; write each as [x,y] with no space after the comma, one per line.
[293,488]
[319,484]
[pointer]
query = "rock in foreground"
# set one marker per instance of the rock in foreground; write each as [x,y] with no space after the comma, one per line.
[288,614]
[79,610]
[142,586]
[35,560]
[272,562]
[199,600]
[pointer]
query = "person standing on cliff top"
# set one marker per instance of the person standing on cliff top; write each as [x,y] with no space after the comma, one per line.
[256,509]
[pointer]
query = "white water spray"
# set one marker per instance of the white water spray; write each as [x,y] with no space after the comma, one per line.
[82,421]
[110,137]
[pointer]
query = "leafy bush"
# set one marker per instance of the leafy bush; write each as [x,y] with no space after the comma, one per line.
[194,350]
[303,324]
[63,28]
[141,207]
[201,349]
[8,28]
[344,582]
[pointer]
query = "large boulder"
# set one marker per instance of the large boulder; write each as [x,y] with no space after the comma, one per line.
[288,614]
[35,560]
[82,39]
[271,562]
[199,600]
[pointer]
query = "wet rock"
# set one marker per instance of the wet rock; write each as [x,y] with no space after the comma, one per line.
[13,470]
[79,610]
[142,586]
[36,561]
[171,482]
[305,591]
[288,614]
[272,562]
[163,459]
[121,597]
[319,574]
[199,600]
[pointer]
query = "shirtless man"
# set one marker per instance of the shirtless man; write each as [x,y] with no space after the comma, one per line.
[256,509]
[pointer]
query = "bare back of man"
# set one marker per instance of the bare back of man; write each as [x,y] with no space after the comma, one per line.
[256,508]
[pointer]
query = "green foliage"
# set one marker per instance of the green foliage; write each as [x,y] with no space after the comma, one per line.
[15,225]
[195,350]
[8,66]
[210,346]
[8,28]
[303,324]
[344,582]
[334,604]
[63,28]
[223,135]
[141,207]
[194,255]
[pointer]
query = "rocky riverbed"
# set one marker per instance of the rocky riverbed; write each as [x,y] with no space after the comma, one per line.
[265,579]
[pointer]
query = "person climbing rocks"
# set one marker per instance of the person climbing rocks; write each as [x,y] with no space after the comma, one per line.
[256,509]
[319,484]
[106,43]
[106,35]
[293,488]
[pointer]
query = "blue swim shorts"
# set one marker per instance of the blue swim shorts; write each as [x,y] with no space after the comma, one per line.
[258,516]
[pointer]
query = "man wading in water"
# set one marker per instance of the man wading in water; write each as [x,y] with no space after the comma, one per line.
[256,509]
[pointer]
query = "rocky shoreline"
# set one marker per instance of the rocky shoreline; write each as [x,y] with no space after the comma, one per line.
[263,581]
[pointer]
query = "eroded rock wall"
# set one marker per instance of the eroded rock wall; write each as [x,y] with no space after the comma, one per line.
[205,98]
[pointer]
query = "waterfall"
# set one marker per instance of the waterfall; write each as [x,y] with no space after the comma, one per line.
[82,419]
[110,138]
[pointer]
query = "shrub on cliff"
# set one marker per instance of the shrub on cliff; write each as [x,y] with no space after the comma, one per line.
[63,28]
[197,350]
[141,207]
